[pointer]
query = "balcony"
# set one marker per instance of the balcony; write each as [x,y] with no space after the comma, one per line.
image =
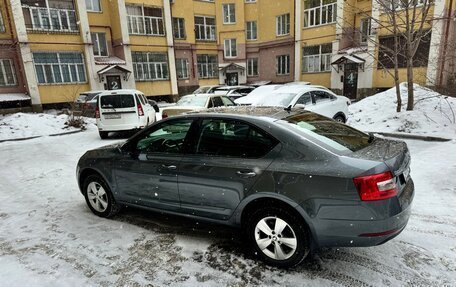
[43,19]
[145,25]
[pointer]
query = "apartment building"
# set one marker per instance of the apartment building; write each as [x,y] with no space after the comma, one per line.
[51,50]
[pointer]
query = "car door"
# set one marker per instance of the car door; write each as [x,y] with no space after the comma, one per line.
[227,158]
[147,174]
[323,103]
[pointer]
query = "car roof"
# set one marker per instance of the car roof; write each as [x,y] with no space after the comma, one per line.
[299,89]
[268,113]
[233,87]
[123,91]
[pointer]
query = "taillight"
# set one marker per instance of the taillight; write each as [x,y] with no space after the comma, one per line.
[164,115]
[376,186]
[140,110]
[97,112]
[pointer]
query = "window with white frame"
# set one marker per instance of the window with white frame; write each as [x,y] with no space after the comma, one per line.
[207,66]
[283,64]
[182,68]
[2,24]
[365,30]
[100,48]
[150,66]
[64,67]
[145,20]
[252,67]
[205,28]
[178,28]
[317,58]
[229,13]
[230,48]
[52,16]
[7,73]
[250,1]
[251,30]
[93,5]
[319,12]
[283,24]
[400,5]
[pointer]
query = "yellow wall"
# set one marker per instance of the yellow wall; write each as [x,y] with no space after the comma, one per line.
[154,88]
[61,93]
[323,79]
[268,10]
[383,79]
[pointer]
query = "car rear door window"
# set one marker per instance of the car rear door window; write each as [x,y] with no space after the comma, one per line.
[117,101]
[304,99]
[217,102]
[227,101]
[167,137]
[230,138]
[321,96]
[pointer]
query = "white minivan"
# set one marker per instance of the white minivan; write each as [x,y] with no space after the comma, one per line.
[122,110]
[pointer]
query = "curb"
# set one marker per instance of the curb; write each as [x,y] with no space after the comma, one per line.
[414,137]
[35,137]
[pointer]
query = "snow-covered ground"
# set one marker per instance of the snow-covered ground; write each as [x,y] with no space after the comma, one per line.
[433,114]
[49,237]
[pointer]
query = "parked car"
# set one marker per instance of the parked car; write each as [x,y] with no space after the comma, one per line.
[312,98]
[196,102]
[87,102]
[122,110]
[292,180]
[234,92]
[256,94]
[206,89]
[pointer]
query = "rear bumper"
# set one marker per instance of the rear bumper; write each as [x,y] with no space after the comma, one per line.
[138,124]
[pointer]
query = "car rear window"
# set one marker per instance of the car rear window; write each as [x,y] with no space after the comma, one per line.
[117,101]
[336,135]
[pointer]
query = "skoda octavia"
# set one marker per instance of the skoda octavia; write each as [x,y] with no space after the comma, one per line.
[292,180]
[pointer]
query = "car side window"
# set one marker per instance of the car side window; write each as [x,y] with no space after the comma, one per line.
[321,96]
[304,99]
[227,101]
[167,137]
[217,102]
[230,138]
[144,100]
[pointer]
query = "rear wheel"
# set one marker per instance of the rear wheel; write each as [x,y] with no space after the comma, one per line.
[99,197]
[278,237]
[339,119]
[103,135]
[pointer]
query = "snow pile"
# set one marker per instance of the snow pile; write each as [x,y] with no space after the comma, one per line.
[433,114]
[22,125]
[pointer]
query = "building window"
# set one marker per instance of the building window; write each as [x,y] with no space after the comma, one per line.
[229,13]
[207,66]
[65,67]
[316,58]
[283,25]
[100,48]
[182,68]
[7,74]
[283,64]
[250,1]
[319,12]
[2,24]
[252,67]
[58,16]
[365,30]
[230,48]
[145,20]
[93,5]
[150,66]
[205,28]
[178,28]
[251,30]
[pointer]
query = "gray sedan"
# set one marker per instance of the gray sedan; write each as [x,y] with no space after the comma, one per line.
[292,180]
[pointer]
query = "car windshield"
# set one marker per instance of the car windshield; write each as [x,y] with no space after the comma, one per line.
[336,135]
[196,101]
[202,90]
[117,101]
[278,99]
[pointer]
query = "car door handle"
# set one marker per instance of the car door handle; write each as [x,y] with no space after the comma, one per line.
[170,167]
[246,174]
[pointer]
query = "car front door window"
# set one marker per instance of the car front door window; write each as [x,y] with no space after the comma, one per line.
[304,99]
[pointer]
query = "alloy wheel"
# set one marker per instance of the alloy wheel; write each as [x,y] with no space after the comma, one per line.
[98,198]
[275,238]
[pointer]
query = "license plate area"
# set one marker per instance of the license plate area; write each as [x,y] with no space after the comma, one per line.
[112,116]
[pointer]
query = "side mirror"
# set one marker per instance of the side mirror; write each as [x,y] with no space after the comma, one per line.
[300,106]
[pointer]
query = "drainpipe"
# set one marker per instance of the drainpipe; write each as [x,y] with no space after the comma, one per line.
[445,44]
[298,39]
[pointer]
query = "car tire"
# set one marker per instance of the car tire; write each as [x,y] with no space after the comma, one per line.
[339,119]
[269,245]
[99,197]
[103,135]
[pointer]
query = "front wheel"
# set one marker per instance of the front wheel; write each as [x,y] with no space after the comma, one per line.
[103,135]
[99,197]
[278,237]
[339,119]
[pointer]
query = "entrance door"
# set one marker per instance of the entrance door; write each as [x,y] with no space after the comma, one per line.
[232,79]
[350,80]
[114,82]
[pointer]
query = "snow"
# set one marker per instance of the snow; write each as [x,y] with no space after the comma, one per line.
[49,237]
[433,113]
[22,125]
[13,97]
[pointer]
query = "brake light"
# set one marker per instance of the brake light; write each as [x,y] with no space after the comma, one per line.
[376,186]
[97,112]
[164,115]
[140,110]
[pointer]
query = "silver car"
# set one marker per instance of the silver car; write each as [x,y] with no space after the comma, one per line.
[290,179]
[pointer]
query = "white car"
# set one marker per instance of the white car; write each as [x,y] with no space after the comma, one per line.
[122,110]
[206,89]
[316,99]
[256,95]
[234,92]
[197,102]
